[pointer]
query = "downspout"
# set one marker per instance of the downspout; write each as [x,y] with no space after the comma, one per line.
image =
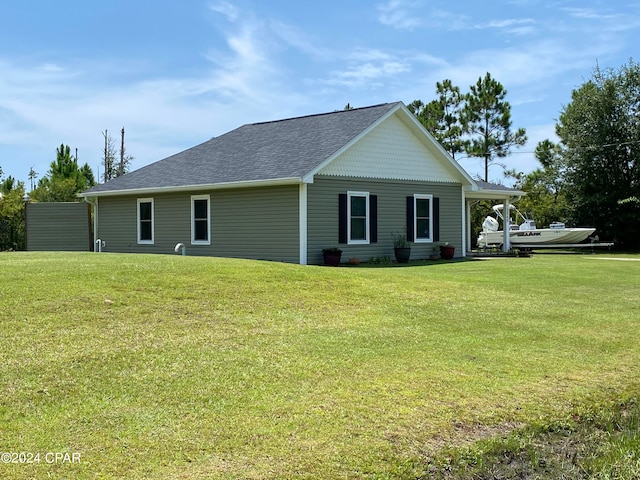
[302,220]
[94,203]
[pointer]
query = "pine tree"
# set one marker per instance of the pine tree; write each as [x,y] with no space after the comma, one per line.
[441,117]
[64,180]
[486,120]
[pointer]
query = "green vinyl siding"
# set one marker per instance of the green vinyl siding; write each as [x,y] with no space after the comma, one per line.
[58,227]
[391,195]
[258,223]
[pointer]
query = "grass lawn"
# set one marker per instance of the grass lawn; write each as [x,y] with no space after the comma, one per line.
[171,367]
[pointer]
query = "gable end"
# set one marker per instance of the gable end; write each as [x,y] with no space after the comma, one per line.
[392,151]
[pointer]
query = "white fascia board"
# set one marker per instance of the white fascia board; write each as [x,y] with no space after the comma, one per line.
[489,194]
[196,188]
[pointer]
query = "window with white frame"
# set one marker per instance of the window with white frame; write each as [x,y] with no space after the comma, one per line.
[423,218]
[145,221]
[358,217]
[200,220]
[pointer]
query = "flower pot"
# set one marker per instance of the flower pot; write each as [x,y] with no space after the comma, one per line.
[447,251]
[331,257]
[402,254]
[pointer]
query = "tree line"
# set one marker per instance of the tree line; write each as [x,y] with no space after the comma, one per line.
[62,183]
[591,177]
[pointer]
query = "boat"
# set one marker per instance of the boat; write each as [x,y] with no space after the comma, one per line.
[524,231]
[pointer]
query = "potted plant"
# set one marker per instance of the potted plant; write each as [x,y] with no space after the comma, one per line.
[447,251]
[435,252]
[331,256]
[401,247]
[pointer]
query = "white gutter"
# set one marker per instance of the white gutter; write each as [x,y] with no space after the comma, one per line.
[195,188]
[478,193]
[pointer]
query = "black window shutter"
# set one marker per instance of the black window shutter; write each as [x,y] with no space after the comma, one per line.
[410,233]
[342,218]
[373,218]
[436,219]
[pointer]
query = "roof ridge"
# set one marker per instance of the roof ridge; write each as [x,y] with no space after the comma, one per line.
[258,152]
[322,114]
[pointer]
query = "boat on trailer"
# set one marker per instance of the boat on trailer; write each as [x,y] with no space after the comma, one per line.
[523,231]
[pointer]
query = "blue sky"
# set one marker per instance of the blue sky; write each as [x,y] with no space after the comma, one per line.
[176,73]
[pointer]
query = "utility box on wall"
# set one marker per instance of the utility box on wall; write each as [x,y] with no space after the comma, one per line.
[58,227]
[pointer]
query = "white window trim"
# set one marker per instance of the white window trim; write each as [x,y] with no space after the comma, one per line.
[416,197]
[366,240]
[153,222]
[193,220]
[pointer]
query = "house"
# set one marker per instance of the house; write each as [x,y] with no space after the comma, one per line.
[284,190]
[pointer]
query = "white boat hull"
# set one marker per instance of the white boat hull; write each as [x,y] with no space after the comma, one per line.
[540,236]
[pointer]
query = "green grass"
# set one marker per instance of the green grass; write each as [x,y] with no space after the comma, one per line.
[183,367]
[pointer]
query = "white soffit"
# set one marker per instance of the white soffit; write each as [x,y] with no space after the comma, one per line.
[390,151]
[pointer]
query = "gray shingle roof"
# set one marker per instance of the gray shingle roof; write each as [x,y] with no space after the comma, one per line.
[495,186]
[281,149]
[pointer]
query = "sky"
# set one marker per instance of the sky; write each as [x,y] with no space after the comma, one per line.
[174,73]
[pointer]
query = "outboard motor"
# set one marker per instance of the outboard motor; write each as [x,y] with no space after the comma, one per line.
[490,224]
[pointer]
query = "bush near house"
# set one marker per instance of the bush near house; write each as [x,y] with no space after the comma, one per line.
[12,217]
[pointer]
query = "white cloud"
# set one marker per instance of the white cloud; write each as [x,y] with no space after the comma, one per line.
[370,68]
[399,14]
[226,9]
[247,68]
[511,26]
[293,36]
[589,13]
[48,104]
[161,116]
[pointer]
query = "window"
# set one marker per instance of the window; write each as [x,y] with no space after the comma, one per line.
[200,222]
[358,217]
[423,219]
[145,221]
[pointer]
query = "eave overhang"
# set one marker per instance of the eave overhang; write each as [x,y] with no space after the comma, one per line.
[193,188]
[477,193]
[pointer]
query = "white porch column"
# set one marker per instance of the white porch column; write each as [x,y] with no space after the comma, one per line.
[506,215]
[468,227]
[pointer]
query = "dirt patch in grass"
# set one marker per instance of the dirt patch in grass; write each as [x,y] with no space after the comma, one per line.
[603,442]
